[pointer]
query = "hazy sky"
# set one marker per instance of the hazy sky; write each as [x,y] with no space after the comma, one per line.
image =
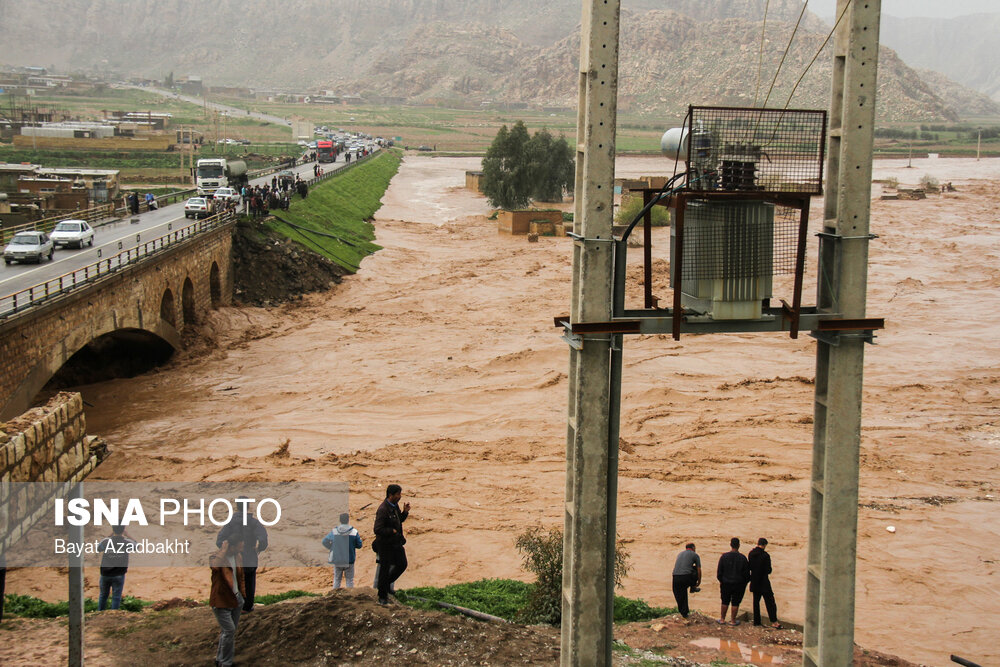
[903,8]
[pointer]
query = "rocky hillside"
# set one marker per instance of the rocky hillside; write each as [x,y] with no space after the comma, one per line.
[514,50]
[965,48]
[969,102]
[668,60]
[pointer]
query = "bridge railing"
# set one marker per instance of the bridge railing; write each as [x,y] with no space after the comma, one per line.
[42,292]
[91,215]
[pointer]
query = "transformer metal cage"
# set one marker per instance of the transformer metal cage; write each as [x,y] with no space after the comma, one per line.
[779,151]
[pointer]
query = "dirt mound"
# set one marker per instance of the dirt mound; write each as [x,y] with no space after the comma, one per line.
[176,603]
[345,626]
[268,269]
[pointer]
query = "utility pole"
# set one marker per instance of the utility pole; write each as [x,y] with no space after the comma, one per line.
[979,143]
[592,435]
[843,278]
[75,597]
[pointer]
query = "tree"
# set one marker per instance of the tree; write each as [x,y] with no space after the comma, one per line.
[168,82]
[552,166]
[542,552]
[518,168]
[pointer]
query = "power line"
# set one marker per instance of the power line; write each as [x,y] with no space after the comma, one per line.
[818,51]
[760,53]
[785,54]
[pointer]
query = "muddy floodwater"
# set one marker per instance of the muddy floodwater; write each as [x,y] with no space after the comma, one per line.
[437,367]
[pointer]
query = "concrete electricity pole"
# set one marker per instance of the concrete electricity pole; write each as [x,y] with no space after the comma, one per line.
[592,434]
[843,280]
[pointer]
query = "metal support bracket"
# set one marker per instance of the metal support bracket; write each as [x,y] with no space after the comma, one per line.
[584,239]
[833,338]
[575,341]
[838,237]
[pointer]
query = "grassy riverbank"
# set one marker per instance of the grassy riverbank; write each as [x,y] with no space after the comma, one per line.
[508,598]
[334,219]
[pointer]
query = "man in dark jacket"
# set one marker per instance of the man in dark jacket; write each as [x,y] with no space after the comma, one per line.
[114,565]
[760,584]
[251,532]
[733,575]
[389,540]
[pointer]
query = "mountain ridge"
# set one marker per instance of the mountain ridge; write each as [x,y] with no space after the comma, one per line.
[515,50]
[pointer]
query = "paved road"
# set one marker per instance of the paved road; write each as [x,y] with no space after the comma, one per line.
[111,239]
[232,111]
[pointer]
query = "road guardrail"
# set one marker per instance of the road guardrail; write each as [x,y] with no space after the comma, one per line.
[40,293]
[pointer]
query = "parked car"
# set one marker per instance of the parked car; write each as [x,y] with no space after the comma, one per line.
[28,246]
[424,148]
[227,194]
[72,233]
[196,207]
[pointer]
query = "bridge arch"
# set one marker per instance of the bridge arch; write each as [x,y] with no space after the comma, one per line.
[162,338]
[188,303]
[215,285]
[168,311]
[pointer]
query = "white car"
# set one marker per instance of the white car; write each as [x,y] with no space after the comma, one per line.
[227,194]
[28,246]
[72,233]
[196,207]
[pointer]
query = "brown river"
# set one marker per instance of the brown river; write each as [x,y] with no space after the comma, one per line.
[437,367]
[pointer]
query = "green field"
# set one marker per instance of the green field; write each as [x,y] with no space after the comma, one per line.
[334,219]
[446,130]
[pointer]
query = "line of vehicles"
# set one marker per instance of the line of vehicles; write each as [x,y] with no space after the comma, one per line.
[36,246]
[218,178]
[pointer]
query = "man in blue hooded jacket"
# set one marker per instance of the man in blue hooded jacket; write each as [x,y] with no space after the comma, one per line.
[343,541]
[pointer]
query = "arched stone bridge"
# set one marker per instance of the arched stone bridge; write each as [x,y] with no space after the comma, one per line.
[155,298]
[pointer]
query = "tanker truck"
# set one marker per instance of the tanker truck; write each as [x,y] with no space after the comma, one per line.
[215,173]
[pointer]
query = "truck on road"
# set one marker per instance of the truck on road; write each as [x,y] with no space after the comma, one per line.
[326,151]
[215,173]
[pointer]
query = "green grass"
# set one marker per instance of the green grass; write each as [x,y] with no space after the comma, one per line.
[287,595]
[27,606]
[632,205]
[338,209]
[124,160]
[506,597]
[498,597]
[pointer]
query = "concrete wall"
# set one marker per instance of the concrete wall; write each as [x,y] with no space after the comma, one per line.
[149,297]
[45,444]
[474,180]
[519,222]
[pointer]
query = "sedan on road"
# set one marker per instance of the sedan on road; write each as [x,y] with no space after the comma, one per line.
[28,246]
[72,233]
[227,195]
[196,207]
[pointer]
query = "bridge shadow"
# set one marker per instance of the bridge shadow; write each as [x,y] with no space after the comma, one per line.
[123,353]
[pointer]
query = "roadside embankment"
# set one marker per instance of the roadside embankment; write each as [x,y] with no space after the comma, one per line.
[319,239]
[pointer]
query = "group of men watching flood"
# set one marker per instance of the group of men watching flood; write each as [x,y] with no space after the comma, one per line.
[734,572]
